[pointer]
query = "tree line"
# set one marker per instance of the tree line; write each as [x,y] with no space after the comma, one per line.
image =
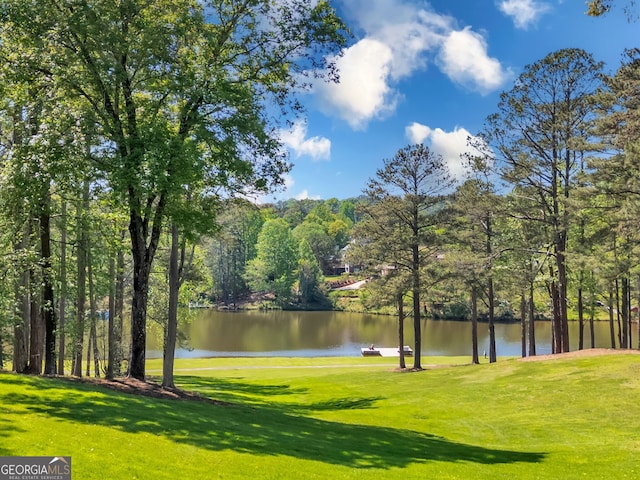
[131,135]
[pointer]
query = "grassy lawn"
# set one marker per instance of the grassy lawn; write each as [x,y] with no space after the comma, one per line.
[341,418]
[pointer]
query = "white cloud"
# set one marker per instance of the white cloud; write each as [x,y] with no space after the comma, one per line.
[304,195]
[523,12]
[465,61]
[450,145]
[363,92]
[397,39]
[318,148]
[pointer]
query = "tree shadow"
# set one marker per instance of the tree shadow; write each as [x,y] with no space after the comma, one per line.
[262,429]
[232,389]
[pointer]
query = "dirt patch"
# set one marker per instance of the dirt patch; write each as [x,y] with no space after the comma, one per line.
[147,388]
[589,352]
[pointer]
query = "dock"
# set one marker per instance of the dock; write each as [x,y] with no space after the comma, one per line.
[385,351]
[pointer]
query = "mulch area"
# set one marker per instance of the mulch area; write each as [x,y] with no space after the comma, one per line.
[588,352]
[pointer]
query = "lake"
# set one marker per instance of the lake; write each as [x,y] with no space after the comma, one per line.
[213,333]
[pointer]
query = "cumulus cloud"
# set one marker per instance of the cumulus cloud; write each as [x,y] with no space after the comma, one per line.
[397,39]
[450,145]
[304,195]
[363,92]
[523,12]
[465,61]
[318,148]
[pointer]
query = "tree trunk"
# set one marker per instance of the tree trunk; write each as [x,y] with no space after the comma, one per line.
[22,312]
[143,255]
[400,301]
[119,310]
[48,305]
[36,339]
[474,327]
[532,322]
[638,303]
[111,356]
[63,288]
[523,323]
[89,345]
[624,304]
[93,314]
[618,310]
[611,325]
[592,330]
[82,281]
[172,318]
[580,320]
[492,328]
[417,327]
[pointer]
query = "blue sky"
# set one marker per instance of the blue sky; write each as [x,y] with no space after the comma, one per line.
[430,72]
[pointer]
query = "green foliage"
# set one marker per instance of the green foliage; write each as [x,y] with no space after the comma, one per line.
[309,274]
[276,264]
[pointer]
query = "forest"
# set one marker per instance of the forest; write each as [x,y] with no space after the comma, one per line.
[132,143]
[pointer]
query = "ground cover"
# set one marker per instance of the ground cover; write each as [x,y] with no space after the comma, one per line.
[572,417]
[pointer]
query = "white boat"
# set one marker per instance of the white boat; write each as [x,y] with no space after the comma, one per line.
[372,351]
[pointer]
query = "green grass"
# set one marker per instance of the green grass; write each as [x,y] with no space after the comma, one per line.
[342,418]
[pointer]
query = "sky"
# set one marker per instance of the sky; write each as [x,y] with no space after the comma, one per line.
[428,72]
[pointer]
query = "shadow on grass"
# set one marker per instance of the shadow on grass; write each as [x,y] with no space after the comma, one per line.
[256,429]
[233,389]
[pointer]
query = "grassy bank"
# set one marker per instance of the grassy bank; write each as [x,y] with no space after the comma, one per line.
[341,418]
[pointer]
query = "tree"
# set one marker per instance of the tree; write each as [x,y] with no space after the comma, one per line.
[614,182]
[309,274]
[598,8]
[275,267]
[322,245]
[409,187]
[542,126]
[162,78]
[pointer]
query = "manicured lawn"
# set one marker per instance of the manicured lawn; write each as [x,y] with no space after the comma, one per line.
[329,418]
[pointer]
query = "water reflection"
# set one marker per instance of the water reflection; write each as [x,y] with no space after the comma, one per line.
[305,334]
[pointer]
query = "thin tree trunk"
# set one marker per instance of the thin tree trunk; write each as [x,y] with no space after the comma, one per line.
[36,339]
[48,304]
[618,314]
[532,323]
[523,323]
[22,312]
[89,345]
[119,306]
[492,328]
[592,330]
[611,325]
[172,319]
[474,327]
[93,314]
[82,281]
[417,327]
[624,336]
[111,356]
[400,301]
[63,288]
[638,303]
[580,320]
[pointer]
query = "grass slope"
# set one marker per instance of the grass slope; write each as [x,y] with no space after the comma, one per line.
[341,419]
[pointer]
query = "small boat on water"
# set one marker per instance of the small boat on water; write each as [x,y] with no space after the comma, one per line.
[372,351]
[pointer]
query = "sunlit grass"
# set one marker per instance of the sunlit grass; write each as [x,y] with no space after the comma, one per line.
[341,418]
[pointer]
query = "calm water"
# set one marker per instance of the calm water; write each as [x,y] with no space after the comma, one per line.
[306,334]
